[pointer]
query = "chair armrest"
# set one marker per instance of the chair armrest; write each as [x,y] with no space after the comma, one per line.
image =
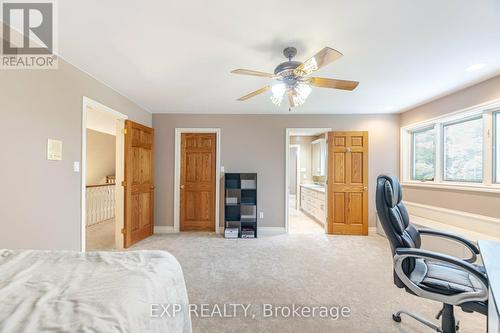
[457,299]
[430,255]
[474,250]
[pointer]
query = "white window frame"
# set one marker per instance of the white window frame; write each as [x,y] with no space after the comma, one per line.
[496,149]
[486,111]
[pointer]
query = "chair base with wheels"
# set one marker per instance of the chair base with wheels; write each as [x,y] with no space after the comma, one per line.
[448,323]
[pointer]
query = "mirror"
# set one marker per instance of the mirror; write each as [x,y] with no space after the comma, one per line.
[319,157]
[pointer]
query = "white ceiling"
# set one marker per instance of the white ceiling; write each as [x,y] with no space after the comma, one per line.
[175,56]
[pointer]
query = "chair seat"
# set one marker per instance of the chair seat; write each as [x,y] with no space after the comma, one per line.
[442,278]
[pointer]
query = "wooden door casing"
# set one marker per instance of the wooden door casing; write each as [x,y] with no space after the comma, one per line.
[139,182]
[198,186]
[348,183]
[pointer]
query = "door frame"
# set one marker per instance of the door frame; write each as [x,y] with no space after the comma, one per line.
[288,131]
[177,177]
[120,169]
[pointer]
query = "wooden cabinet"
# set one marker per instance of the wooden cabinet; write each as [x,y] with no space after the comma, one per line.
[312,202]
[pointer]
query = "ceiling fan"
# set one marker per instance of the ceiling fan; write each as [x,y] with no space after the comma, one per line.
[292,77]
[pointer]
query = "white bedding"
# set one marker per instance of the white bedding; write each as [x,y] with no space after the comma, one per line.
[62,291]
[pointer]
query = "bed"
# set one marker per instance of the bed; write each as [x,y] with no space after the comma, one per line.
[63,291]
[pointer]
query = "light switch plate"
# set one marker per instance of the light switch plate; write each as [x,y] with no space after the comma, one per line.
[76,166]
[54,150]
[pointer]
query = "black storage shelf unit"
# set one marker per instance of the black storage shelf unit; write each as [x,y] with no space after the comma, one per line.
[241,203]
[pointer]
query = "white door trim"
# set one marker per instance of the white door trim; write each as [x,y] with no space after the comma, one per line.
[120,165]
[177,177]
[287,167]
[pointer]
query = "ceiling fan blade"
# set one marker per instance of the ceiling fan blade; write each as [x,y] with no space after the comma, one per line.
[254,93]
[332,83]
[253,73]
[319,60]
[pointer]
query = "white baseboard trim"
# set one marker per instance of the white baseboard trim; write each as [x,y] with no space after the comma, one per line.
[372,231]
[270,231]
[160,229]
[473,226]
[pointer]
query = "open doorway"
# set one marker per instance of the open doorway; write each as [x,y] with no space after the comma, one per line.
[306,162]
[102,175]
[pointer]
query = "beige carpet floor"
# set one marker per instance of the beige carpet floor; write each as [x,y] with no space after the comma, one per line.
[309,269]
[100,236]
[300,223]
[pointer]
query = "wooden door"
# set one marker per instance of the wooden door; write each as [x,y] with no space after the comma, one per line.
[139,182]
[348,183]
[197,199]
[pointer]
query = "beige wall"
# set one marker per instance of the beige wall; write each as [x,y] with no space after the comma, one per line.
[256,143]
[480,93]
[101,157]
[305,156]
[40,199]
[472,202]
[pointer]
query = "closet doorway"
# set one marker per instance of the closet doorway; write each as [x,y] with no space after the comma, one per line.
[197,179]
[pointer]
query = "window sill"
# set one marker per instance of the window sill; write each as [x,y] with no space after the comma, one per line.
[454,186]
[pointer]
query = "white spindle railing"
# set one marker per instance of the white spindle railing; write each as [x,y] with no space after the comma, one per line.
[100,203]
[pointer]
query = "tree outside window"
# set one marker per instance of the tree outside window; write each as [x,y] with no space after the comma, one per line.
[463,151]
[424,154]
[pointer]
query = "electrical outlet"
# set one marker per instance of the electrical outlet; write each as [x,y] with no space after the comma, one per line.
[261,215]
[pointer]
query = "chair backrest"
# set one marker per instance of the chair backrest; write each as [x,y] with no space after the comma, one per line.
[395,220]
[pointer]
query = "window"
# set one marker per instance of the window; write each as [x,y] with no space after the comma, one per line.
[460,150]
[423,154]
[463,151]
[497,145]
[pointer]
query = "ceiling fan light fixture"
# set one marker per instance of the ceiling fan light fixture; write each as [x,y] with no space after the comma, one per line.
[278,91]
[293,77]
[301,92]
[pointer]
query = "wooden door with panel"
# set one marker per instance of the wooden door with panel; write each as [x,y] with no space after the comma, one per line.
[348,183]
[139,182]
[198,186]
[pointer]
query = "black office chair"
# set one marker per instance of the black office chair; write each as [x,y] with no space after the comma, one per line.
[443,278]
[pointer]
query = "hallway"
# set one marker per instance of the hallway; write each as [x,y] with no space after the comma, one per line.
[100,236]
[300,223]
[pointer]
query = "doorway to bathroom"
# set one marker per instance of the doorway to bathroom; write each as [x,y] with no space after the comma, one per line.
[306,161]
